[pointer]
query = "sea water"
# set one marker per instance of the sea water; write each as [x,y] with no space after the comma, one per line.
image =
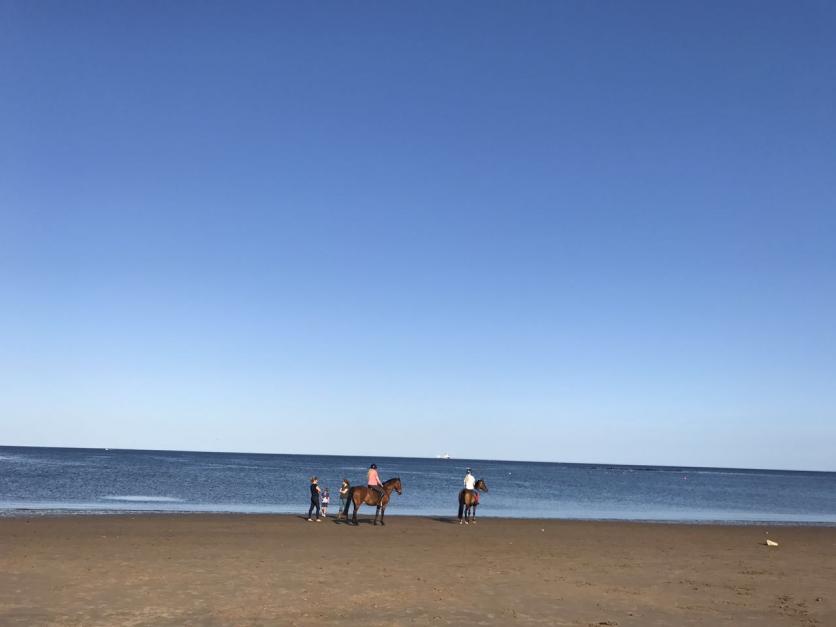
[54,480]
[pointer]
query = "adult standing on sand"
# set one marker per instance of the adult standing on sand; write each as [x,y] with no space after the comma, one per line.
[344,488]
[314,500]
[374,481]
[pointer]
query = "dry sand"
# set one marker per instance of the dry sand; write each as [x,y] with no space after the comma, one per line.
[282,570]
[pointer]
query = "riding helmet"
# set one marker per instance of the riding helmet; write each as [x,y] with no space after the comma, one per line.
[373,466]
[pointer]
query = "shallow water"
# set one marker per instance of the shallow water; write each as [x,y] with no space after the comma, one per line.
[51,480]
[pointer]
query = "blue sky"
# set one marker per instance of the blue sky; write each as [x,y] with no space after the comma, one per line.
[585,231]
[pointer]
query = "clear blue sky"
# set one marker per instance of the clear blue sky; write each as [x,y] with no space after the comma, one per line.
[574,231]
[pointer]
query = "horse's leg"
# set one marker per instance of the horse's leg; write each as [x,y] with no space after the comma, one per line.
[382,511]
[356,505]
[461,509]
[475,505]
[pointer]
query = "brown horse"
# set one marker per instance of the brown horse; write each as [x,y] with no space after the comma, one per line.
[360,495]
[469,501]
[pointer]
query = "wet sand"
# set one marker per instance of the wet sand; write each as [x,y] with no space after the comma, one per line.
[282,570]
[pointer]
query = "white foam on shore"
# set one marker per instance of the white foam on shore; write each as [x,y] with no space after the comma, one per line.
[140,498]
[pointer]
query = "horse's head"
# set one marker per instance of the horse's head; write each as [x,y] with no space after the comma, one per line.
[481,485]
[395,484]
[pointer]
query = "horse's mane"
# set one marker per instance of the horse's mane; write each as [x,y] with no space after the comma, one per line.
[392,480]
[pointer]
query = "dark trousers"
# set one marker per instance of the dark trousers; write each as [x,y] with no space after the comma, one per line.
[314,504]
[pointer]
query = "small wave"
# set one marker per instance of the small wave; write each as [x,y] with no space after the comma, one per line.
[140,498]
[168,458]
[223,466]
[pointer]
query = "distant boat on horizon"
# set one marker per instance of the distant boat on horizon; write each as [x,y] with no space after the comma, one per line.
[444,456]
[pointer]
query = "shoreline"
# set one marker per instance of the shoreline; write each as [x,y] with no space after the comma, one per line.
[256,569]
[13,514]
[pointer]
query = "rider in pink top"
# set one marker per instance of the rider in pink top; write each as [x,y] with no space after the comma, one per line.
[374,481]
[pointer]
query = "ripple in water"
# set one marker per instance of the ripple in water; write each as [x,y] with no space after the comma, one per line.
[139,498]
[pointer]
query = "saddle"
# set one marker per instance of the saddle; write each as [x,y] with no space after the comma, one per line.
[475,494]
[376,495]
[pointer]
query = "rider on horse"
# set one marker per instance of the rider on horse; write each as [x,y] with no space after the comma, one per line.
[470,484]
[375,483]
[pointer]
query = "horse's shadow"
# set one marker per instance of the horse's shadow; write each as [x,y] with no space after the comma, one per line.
[360,521]
[449,520]
[336,521]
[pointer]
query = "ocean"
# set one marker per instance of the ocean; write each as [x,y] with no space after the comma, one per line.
[46,481]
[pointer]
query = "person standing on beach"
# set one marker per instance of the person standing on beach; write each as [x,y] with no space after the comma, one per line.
[326,498]
[343,496]
[374,481]
[314,500]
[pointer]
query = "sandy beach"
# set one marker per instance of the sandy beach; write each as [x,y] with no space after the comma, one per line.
[282,570]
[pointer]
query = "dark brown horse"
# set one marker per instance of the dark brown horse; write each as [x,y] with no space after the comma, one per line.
[360,495]
[469,501]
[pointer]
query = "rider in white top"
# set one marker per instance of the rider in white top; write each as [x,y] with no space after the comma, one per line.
[469,481]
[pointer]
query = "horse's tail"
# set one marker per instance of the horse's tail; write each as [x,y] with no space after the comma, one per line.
[461,504]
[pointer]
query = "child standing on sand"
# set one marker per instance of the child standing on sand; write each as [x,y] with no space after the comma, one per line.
[326,498]
[314,500]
